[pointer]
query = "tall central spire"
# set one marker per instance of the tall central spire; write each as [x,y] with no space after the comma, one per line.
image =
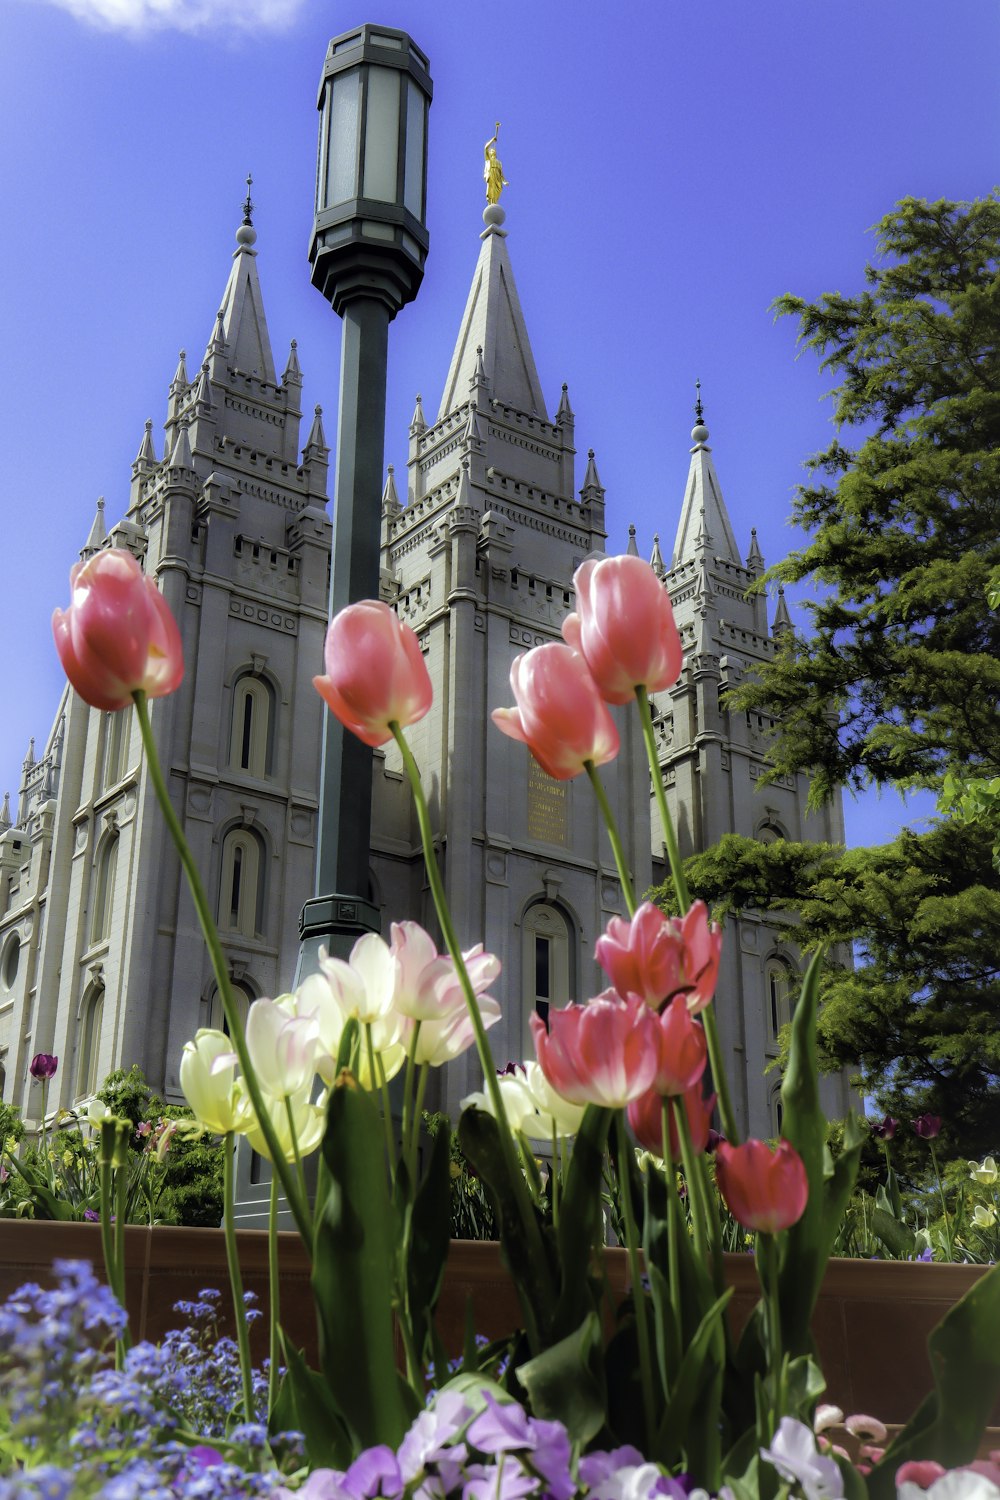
[493,322]
[243,325]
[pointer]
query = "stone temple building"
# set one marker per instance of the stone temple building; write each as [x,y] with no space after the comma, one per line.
[101,960]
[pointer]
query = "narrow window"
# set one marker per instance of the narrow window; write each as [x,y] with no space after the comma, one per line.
[251,733]
[92,1016]
[240,894]
[104,887]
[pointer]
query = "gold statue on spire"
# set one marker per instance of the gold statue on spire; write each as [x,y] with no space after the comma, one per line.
[492,170]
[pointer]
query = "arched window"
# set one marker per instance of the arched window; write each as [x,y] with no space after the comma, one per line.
[547,967]
[241,889]
[777,996]
[104,889]
[116,738]
[777,1112]
[251,735]
[216,1015]
[89,1032]
[771,831]
[3,1073]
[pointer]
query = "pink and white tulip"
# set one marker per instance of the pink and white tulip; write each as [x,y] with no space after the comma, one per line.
[657,956]
[559,713]
[624,627]
[605,1052]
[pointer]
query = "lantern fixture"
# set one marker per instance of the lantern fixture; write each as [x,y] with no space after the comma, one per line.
[369,238]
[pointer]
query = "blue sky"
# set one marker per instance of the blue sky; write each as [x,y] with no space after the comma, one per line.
[673,168]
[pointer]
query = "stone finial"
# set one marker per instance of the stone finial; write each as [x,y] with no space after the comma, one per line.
[591,480]
[564,412]
[292,373]
[755,558]
[98,533]
[418,422]
[181,457]
[632,549]
[5,817]
[656,558]
[390,499]
[147,452]
[29,759]
[316,442]
[180,374]
[782,619]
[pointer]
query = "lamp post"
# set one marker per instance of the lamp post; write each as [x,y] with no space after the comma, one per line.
[367,252]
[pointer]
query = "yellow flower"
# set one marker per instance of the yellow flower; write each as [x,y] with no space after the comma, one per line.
[984,1218]
[985,1171]
[67,1159]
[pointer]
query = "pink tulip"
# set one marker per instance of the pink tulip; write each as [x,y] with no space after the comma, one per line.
[657,956]
[428,987]
[645,1115]
[763,1189]
[921,1471]
[375,672]
[624,627]
[602,1053]
[683,1049]
[118,636]
[559,713]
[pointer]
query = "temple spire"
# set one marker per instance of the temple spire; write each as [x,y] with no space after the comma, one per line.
[493,322]
[704,516]
[241,325]
[98,533]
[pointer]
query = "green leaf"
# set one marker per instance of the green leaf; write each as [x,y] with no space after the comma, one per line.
[897,1238]
[702,1365]
[429,1233]
[304,1404]
[353,1274]
[565,1382]
[479,1138]
[806,1246]
[949,1424]
[580,1222]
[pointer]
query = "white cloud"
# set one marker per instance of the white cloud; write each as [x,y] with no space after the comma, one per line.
[138,16]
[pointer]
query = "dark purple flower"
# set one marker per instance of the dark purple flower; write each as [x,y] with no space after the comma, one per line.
[927,1126]
[204,1457]
[43,1065]
[714,1137]
[512,1069]
[887,1130]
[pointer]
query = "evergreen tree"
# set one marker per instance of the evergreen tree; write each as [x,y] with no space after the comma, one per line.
[898,682]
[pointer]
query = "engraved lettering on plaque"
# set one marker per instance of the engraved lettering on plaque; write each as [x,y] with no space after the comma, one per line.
[547,813]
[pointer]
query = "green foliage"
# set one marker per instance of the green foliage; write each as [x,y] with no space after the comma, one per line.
[904,538]
[471,1212]
[916,1020]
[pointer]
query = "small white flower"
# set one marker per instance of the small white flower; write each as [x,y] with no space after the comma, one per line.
[793,1453]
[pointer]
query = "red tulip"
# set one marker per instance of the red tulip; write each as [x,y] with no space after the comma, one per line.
[375,672]
[43,1065]
[601,1053]
[118,635]
[657,956]
[624,627]
[559,713]
[683,1049]
[763,1189]
[645,1115]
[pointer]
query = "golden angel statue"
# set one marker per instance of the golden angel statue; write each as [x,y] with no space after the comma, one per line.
[492,170]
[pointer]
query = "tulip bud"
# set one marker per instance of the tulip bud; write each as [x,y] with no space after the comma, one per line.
[375,672]
[603,1053]
[763,1189]
[559,713]
[43,1065]
[927,1126]
[624,627]
[118,636]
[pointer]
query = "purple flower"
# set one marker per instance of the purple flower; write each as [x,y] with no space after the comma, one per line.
[43,1065]
[927,1126]
[503,1481]
[887,1130]
[429,1440]
[91,1215]
[500,1427]
[714,1137]
[374,1472]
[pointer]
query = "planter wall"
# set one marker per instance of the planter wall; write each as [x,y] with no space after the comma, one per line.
[871,1322]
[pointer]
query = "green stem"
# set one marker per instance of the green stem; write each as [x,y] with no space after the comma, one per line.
[673,1221]
[274,1279]
[635,1273]
[944,1206]
[767,1270]
[418,1109]
[555,1177]
[121,1196]
[696,1203]
[408,1080]
[612,827]
[667,822]
[296,1200]
[719,1077]
[293,1136]
[518,1186]
[378,1079]
[235,1276]
[105,1159]
[45,1138]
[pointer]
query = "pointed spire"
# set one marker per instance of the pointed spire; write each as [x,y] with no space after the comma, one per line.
[5,818]
[98,534]
[656,558]
[217,343]
[418,422]
[241,323]
[755,558]
[316,442]
[704,517]
[632,549]
[591,480]
[473,434]
[478,379]
[292,373]
[29,759]
[390,499]
[181,457]
[180,379]
[203,389]
[147,452]
[564,413]
[782,619]
[493,323]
